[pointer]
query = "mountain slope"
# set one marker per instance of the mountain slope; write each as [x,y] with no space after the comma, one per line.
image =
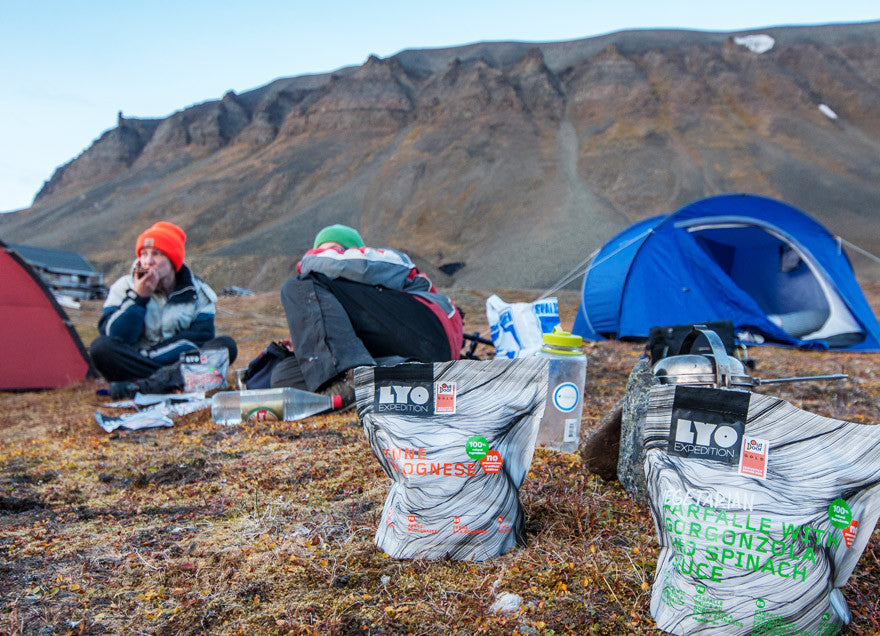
[505,164]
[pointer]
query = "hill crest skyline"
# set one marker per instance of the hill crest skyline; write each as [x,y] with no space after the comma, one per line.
[455,153]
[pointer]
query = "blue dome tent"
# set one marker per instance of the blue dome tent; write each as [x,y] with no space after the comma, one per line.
[773,271]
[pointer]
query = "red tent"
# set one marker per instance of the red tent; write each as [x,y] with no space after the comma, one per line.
[39,348]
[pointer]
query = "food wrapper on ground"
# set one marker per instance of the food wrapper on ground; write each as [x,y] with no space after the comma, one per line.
[456,439]
[762,511]
[152,417]
[153,410]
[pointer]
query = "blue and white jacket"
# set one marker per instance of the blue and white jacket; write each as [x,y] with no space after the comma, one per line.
[162,326]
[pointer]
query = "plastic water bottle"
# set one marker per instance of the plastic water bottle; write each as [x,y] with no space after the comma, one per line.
[561,425]
[264,405]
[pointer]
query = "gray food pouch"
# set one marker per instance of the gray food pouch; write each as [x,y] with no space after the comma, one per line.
[204,369]
[762,511]
[456,439]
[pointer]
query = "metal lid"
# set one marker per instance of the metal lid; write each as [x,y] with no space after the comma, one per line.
[700,370]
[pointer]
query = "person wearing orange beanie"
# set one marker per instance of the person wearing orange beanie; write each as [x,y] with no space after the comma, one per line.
[154,314]
[166,237]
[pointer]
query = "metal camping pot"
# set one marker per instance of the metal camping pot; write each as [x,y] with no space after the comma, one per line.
[716,370]
[702,370]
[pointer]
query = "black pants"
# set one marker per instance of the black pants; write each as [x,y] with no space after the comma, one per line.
[337,324]
[118,361]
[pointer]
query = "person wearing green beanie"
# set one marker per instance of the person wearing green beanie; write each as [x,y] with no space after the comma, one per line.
[351,305]
[344,235]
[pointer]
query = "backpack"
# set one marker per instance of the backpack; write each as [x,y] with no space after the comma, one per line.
[259,370]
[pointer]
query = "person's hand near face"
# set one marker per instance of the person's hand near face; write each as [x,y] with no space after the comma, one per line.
[153,271]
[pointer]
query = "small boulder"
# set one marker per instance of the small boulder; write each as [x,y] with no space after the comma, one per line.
[631,457]
[506,603]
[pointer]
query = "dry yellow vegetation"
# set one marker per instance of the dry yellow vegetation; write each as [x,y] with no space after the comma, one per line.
[268,529]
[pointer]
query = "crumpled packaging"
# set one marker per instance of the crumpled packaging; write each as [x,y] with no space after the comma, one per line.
[762,511]
[457,440]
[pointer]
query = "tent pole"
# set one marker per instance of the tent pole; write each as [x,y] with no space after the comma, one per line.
[584,265]
[578,270]
[858,249]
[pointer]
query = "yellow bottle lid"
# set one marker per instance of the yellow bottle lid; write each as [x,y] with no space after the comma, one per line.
[561,338]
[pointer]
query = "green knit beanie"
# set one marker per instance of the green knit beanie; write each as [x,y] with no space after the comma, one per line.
[342,234]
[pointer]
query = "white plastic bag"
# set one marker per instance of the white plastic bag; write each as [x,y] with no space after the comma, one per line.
[517,328]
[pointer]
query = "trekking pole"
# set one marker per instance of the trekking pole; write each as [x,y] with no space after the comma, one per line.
[475,340]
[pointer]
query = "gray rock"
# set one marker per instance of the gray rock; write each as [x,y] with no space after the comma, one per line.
[631,457]
[506,603]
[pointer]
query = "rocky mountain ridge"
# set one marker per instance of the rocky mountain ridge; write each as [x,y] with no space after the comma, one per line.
[494,164]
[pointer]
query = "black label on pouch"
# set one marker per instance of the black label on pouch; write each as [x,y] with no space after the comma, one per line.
[405,389]
[708,424]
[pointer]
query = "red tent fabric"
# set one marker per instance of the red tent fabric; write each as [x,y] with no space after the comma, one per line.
[39,348]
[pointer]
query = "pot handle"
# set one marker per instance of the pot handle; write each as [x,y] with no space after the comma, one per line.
[719,353]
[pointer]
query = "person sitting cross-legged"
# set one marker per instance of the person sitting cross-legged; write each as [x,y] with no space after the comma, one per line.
[152,315]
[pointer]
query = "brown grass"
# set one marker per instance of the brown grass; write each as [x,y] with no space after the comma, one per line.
[268,529]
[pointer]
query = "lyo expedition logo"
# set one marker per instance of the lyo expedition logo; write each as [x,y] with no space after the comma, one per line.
[408,390]
[193,357]
[704,438]
[708,424]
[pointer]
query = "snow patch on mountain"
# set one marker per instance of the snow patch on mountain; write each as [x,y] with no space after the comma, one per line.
[826,110]
[759,43]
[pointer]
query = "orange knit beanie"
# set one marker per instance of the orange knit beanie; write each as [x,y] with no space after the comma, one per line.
[167,238]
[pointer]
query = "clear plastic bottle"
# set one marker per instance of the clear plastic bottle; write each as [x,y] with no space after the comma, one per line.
[232,407]
[561,425]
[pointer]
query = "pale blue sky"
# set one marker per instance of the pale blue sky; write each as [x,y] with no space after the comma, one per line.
[68,66]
